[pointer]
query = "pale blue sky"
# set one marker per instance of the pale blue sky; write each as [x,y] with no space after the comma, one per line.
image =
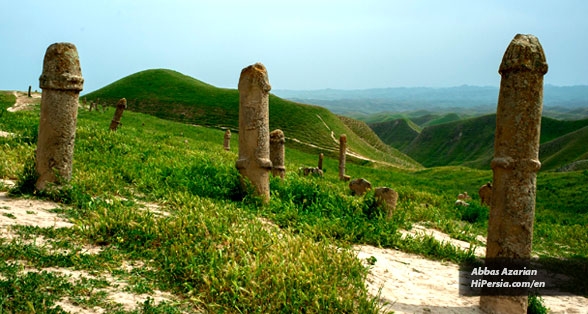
[304,44]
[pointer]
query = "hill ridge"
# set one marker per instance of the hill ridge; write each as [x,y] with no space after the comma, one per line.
[470,142]
[174,96]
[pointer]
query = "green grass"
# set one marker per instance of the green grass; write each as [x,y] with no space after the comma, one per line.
[397,133]
[366,134]
[469,141]
[564,150]
[214,250]
[171,95]
[446,118]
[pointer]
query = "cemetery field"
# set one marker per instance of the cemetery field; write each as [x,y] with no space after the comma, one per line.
[166,196]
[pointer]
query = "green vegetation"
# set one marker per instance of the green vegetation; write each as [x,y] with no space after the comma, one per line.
[470,142]
[366,134]
[565,149]
[466,142]
[211,244]
[535,305]
[450,117]
[171,95]
[397,133]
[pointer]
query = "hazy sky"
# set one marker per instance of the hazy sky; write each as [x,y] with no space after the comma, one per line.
[304,44]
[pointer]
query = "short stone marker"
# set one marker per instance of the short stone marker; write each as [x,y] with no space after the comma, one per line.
[485,193]
[254,147]
[359,186]
[227,142]
[320,161]
[61,82]
[516,161]
[120,109]
[277,153]
[306,171]
[386,198]
[342,157]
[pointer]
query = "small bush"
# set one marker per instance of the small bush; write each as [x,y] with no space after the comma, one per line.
[535,305]
[27,179]
[474,213]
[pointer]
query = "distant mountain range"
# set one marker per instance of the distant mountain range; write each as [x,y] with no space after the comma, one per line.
[567,101]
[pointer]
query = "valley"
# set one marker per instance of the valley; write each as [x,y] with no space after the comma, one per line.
[162,193]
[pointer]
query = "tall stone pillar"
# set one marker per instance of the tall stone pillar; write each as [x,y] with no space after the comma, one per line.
[254,147]
[227,143]
[120,108]
[320,161]
[516,161]
[342,156]
[277,153]
[61,82]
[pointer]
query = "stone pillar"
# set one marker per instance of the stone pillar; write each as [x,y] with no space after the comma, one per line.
[277,153]
[359,186]
[254,147]
[485,193]
[120,108]
[61,82]
[29,94]
[227,143]
[516,161]
[320,162]
[387,198]
[342,156]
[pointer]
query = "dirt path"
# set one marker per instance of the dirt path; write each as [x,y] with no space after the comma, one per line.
[30,212]
[412,284]
[409,283]
[23,102]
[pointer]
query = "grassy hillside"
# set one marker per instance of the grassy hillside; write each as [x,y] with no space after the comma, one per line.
[564,150]
[470,143]
[396,133]
[366,134]
[455,143]
[213,245]
[450,117]
[171,95]
[552,128]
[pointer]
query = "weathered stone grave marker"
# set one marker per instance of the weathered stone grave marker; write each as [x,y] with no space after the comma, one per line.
[120,109]
[277,153]
[227,142]
[61,82]
[359,186]
[387,198]
[254,147]
[516,161]
[342,157]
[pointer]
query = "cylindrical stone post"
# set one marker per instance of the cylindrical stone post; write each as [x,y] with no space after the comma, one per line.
[277,153]
[120,108]
[342,156]
[254,145]
[29,94]
[516,161]
[227,142]
[61,82]
[320,161]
